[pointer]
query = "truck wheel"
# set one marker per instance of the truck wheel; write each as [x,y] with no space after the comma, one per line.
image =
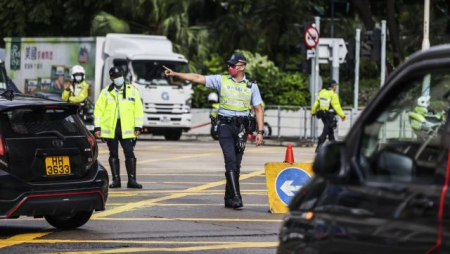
[173,135]
[69,221]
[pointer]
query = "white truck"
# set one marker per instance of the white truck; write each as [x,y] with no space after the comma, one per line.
[42,65]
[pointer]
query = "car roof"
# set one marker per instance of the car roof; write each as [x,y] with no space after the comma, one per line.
[28,100]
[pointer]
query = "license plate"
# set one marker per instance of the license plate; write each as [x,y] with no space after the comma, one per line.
[165,119]
[57,165]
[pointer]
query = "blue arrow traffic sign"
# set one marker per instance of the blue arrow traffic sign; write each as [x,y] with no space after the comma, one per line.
[288,183]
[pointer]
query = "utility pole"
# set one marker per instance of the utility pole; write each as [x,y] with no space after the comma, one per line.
[426,43]
[356,85]
[383,52]
[316,81]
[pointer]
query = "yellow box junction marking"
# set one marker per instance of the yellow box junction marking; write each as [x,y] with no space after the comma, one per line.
[22,238]
[149,202]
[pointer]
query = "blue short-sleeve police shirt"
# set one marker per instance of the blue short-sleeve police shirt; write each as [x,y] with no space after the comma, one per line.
[215,82]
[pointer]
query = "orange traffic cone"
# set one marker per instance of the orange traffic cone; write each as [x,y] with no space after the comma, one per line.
[289,155]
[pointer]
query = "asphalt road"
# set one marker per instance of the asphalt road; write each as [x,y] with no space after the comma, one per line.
[179,210]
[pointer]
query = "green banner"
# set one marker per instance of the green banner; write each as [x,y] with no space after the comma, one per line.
[15,54]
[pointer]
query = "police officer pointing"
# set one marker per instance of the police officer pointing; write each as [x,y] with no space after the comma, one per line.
[236,93]
[326,107]
[119,117]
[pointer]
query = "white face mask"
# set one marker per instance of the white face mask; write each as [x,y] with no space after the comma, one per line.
[78,78]
[118,81]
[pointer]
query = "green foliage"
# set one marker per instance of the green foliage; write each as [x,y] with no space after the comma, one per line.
[105,23]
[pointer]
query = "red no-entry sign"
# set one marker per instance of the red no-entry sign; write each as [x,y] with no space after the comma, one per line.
[311,37]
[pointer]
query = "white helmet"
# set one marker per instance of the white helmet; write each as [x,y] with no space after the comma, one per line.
[78,69]
[213,97]
[423,101]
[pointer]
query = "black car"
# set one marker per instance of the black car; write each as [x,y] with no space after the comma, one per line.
[384,189]
[48,163]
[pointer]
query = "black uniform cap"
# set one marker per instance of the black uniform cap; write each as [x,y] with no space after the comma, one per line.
[115,72]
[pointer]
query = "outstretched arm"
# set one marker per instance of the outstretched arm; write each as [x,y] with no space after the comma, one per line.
[193,77]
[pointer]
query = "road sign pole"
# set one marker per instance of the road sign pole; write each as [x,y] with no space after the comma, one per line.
[313,92]
[357,48]
[335,71]
[383,52]
[316,78]
[335,62]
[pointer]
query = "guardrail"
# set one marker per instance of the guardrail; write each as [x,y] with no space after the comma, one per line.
[292,122]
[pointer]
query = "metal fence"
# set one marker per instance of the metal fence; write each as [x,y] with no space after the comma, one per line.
[295,121]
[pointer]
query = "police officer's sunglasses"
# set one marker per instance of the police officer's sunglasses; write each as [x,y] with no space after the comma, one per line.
[232,66]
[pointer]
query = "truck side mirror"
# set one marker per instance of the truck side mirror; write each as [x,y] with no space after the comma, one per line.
[329,161]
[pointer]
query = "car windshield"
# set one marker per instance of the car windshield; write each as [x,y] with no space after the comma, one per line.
[37,120]
[152,73]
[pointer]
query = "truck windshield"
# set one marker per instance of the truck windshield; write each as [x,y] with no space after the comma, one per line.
[152,73]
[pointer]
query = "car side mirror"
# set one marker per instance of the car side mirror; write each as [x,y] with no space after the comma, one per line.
[329,161]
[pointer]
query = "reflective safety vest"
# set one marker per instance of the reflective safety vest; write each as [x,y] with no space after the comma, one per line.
[325,99]
[233,95]
[109,106]
[77,94]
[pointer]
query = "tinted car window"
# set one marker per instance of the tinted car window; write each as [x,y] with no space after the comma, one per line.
[32,121]
[403,142]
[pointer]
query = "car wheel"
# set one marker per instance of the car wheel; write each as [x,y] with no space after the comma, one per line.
[69,221]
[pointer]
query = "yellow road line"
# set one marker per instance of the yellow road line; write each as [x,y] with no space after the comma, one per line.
[190,219]
[162,204]
[136,194]
[178,191]
[36,241]
[143,182]
[184,249]
[22,238]
[149,202]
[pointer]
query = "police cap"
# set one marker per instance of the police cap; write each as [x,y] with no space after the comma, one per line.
[237,58]
[115,72]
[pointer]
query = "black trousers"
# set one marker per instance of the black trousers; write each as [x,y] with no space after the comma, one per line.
[329,122]
[228,135]
[127,144]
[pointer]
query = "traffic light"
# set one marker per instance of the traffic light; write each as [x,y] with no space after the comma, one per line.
[304,64]
[350,58]
[373,40]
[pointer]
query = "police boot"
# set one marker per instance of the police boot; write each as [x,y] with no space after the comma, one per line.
[131,170]
[238,188]
[320,143]
[234,200]
[227,198]
[114,164]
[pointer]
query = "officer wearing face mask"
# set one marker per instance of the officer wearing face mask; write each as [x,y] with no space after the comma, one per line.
[119,117]
[76,91]
[236,93]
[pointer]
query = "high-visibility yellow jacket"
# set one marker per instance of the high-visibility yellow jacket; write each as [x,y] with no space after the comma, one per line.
[325,98]
[233,95]
[77,94]
[109,106]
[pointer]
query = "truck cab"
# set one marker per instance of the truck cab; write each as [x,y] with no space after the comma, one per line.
[166,100]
